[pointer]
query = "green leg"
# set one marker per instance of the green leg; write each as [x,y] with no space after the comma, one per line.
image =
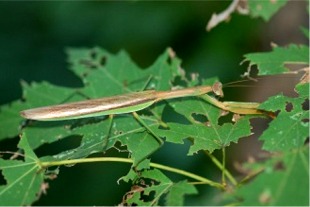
[106,141]
[235,107]
[158,139]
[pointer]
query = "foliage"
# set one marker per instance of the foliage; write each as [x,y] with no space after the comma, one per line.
[265,9]
[282,175]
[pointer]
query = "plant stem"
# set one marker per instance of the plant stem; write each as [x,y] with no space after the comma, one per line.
[127,160]
[221,167]
[224,166]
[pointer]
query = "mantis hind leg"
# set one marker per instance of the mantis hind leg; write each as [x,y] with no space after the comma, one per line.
[158,139]
[106,139]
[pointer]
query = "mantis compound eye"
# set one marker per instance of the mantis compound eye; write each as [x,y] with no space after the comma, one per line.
[217,89]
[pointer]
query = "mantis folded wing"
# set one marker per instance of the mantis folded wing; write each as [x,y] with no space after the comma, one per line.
[119,104]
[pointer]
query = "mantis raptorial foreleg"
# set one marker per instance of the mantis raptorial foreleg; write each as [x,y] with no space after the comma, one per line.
[235,107]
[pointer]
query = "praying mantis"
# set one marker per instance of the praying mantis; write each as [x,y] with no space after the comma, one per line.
[133,102]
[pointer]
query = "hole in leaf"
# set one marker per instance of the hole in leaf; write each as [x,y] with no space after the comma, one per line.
[149,197]
[2,180]
[305,105]
[103,60]
[199,118]
[119,147]
[93,54]
[179,81]
[62,145]
[145,183]
[276,113]
[129,195]
[9,145]
[9,150]
[305,120]
[227,118]
[279,166]
[289,107]
[170,115]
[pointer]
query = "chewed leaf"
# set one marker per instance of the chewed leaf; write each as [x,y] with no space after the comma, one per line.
[101,136]
[274,62]
[290,128]
[35,95]
[105,74]
[206,136]
[44,93]
[153,185]
[177,192]
[265,9]
[23,178]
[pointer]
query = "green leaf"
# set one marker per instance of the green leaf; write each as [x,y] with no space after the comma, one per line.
[270,63]
[284,182]
[152,185]
[125,129]
[23,178]
[265,9]
[290,128]
[208,135]
[10,119]
[305,31]
[132,174]
[36,94]
[119,75]
[175,196]
[44,93]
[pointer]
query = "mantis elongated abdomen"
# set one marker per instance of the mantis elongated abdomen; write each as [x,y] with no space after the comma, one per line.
[118,104]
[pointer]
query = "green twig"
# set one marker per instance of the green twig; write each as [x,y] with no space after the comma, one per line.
[221,167]
[224,166]
[128,160]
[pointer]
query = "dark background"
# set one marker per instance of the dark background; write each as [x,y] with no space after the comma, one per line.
[34,36]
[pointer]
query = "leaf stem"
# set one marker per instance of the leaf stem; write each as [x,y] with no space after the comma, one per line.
[221,167]
[224,165]
[201,179]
